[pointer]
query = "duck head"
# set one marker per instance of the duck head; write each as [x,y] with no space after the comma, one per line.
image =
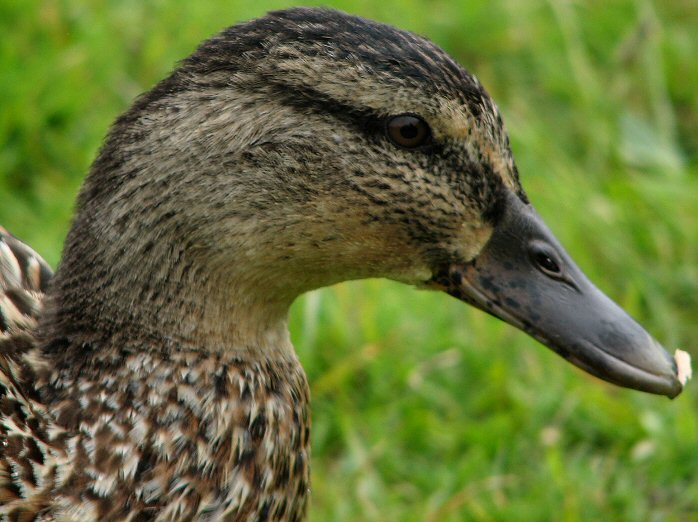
[310,147]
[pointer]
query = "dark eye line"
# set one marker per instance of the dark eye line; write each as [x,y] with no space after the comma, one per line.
[368,121]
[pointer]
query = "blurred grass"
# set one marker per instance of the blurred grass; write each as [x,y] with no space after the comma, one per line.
[424,409]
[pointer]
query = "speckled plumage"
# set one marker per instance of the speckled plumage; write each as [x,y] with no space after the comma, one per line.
[161,383]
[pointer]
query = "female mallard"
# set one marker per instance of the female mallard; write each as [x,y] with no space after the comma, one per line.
[287,153]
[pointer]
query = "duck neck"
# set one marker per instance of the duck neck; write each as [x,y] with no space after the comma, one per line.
[164,301]
[183,366]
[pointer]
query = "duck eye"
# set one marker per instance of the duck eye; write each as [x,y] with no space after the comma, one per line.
[407,131]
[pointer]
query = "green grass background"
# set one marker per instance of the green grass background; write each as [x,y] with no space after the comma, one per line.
[424,409]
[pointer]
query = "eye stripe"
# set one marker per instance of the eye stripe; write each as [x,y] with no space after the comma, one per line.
[309,99]
[413,132]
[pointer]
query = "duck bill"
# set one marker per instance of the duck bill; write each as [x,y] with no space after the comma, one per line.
[525,277]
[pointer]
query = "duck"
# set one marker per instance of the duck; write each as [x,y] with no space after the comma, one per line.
[152,376]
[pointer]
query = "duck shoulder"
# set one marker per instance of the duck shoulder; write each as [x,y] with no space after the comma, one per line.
[24,277]
[24,447]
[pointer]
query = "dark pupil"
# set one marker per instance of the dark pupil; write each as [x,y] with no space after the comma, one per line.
[409,131]
[547,263]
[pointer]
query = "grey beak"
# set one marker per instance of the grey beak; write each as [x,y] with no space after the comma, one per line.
[525,277]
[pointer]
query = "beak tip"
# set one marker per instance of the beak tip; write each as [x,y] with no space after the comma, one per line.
[667,375]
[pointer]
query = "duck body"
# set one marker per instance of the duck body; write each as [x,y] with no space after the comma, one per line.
[192,435]
[156,379]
